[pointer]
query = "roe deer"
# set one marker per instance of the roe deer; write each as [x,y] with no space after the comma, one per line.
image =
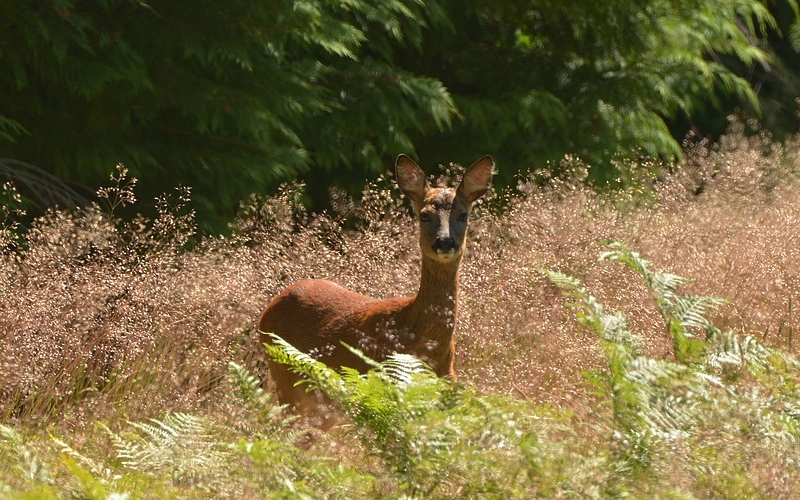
[316,316]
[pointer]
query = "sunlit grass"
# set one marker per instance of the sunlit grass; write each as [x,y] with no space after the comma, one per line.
[118,323]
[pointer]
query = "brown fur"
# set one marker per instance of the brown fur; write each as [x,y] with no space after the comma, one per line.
[317,316]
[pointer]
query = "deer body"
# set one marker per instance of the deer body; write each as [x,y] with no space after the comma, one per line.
[317,316]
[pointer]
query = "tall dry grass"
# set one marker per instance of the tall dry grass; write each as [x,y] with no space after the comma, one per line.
[99,316]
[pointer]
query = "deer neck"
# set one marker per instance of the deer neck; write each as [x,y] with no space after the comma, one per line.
[433,309]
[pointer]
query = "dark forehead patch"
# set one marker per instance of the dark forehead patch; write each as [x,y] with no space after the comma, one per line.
[440,199]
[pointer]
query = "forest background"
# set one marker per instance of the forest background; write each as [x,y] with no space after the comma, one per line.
[626,310]
[234,98]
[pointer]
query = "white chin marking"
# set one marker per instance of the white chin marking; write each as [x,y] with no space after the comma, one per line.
[446,255]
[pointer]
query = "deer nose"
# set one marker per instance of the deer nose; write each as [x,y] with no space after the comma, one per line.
[445,245]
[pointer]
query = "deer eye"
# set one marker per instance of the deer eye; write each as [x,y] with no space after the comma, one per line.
[463,217]
[425,217]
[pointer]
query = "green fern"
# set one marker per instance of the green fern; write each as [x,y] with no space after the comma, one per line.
[181,446]
[91,467]
[677,397]
[685,314]
[28,462]
[89,487]
[270,419]
[672,396]
[428,432]
[318,375]
[634,438]
[611,328]
[657,401]
[248,386]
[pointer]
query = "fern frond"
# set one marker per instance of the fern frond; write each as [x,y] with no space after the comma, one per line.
[616,329]
[47,189]
[319,375]
[360,355]
[757,354]
[10,435]
[96,469]
[271,419]
[29,463]
[248,386]
[90,485]
[649,371]
[620,346]
[587,308]
[728,348]
[691,310]
[404,369]
[724,349]
[613,328]
[681,313]
[179,445]
[672,395]
[663,285]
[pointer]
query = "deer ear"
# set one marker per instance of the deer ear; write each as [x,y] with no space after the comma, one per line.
[411,179]
[477,179]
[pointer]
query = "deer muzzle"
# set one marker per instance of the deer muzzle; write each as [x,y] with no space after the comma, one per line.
[444,246]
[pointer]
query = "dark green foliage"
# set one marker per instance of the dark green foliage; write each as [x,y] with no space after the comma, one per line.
[225,97]
[232,98]
[47,189]
[777,80]
[536,81]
